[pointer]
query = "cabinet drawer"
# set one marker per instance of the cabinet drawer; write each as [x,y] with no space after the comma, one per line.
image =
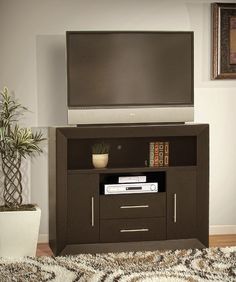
[133,206]
[126,230]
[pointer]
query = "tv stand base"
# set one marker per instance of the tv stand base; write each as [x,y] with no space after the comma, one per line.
[132,246]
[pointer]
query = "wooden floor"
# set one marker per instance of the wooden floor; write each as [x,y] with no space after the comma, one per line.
[43,250]
[215,241]
[222,240]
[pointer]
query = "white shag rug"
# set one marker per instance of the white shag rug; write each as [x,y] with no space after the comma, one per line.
[213,264]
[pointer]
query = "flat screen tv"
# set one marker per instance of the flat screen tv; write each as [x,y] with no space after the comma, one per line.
[129,76]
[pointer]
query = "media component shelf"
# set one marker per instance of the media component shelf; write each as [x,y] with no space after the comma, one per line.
[89,212]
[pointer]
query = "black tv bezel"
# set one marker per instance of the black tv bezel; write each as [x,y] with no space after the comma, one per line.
[68,33]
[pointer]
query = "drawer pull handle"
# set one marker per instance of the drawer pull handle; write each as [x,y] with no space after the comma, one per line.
[134,230]
[92,210]
[175,208]
[134,207]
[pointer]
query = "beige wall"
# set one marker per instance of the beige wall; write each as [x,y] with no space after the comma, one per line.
[32,64]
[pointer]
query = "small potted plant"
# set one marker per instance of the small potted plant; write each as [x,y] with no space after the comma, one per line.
[19,223]
[100,155]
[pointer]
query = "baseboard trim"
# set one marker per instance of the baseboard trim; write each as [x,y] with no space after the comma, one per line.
[222,229]
[43,238]
[213,230]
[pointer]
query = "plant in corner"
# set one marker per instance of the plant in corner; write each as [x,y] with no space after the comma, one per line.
[100,154]
[15,143]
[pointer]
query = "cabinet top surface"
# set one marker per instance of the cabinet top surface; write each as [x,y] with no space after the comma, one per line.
[132,130]
[137,126]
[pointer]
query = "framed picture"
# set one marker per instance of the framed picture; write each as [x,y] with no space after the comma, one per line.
[224,41]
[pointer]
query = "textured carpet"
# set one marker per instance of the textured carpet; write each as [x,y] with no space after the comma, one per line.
[214,264]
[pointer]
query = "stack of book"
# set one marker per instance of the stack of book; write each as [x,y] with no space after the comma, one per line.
[158,154]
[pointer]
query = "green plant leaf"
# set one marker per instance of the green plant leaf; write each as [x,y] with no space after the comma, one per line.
[13,139]
[100,148]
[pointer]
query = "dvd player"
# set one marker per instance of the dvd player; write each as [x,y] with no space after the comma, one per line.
[130,188]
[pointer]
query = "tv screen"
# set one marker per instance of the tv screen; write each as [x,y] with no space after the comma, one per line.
[116,69]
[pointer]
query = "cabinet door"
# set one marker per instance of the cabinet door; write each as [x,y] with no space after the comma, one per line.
[83,208]
[181,203]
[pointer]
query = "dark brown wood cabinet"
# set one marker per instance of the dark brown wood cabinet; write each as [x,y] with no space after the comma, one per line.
[84,219]
[181,203]
[83,208]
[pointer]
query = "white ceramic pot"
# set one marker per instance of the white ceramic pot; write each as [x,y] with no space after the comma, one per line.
[19,233]
[100,160]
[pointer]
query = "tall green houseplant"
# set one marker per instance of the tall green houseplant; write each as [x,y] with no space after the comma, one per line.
[15,143]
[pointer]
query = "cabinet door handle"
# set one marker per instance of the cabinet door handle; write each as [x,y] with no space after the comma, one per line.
[134,230]
[134,207]
[175,208]
[92,209]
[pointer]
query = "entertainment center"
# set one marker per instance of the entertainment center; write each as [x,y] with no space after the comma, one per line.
[132,91]
[83,219]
